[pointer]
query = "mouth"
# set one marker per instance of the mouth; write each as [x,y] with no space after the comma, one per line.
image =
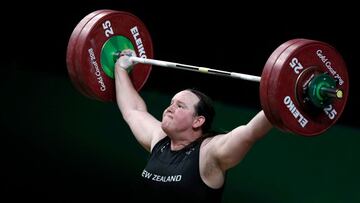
[168,115]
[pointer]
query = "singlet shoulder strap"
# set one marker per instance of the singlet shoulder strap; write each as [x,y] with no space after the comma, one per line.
[160,144]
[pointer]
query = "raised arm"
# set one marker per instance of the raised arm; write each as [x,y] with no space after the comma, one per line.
[229,149]
[133,108]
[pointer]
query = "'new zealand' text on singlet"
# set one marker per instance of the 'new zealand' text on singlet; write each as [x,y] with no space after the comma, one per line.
[174,176]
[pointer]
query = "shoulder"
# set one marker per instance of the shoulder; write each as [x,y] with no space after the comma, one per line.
[160,142]
[209,141]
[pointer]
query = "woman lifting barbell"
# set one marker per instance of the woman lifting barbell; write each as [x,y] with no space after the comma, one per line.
[303,89]
[188,163]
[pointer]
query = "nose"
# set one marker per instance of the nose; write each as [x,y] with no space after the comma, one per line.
[171,108]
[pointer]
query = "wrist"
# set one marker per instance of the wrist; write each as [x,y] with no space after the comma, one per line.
[124,62]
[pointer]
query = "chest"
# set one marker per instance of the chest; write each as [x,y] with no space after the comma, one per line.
[166,166]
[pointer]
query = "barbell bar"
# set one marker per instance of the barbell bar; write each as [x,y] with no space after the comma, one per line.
[325,91]
[195,68]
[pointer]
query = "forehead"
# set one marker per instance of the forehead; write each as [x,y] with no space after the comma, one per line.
[186,97]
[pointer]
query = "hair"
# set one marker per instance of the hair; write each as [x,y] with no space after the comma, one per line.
[204,108]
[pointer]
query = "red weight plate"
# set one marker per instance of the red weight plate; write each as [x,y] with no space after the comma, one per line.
[265,91]
[70,53]
[285,107]
[91,41]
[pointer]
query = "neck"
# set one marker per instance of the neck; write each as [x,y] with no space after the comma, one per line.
[180,141]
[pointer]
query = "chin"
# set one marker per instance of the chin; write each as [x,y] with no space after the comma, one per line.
[165,128]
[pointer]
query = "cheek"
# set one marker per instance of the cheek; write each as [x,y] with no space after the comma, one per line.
[184,118]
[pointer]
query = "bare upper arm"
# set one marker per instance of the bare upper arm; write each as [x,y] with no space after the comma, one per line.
[146,128]
[229,149]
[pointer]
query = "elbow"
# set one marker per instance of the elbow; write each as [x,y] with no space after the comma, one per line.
[126,115]
[259,133]
[130,113]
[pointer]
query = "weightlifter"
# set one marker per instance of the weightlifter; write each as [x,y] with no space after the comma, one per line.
[188,161]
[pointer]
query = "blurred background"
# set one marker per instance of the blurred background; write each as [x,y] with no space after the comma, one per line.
[60,146]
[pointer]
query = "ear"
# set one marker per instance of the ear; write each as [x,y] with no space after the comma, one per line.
[198,121]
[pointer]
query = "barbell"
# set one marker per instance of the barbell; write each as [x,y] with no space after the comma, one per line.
[303,87]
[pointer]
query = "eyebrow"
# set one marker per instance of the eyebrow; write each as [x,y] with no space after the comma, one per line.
[180,102]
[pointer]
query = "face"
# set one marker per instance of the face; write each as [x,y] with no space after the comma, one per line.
[180,115]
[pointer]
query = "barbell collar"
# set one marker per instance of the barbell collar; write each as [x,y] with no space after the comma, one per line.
[332,92]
